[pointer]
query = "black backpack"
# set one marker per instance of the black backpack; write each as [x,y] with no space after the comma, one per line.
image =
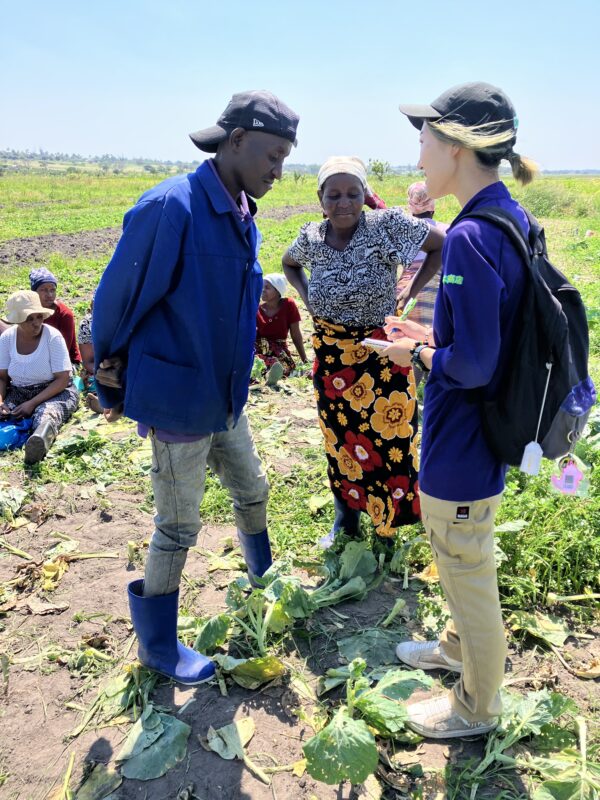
[546,393]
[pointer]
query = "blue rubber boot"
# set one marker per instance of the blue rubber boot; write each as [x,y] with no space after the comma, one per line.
[346,519]
[256,550]
[155,624]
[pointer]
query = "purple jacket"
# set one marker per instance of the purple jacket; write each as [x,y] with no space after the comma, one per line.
[475,313]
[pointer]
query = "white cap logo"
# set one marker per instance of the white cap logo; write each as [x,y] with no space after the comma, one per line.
[256,123]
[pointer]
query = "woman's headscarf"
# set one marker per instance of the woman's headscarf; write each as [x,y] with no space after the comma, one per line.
[277,281]
[39,276]
[419,201]
[349,165]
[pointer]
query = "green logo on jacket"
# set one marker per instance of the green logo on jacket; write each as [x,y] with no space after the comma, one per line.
[456,279]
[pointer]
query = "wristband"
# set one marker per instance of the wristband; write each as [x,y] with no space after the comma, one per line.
[415,356]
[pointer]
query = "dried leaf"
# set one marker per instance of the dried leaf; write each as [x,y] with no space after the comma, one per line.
[591,671]
[229,743]
[230,740]
[39,608]
[299,767]
[429,574]
[371,789]
[231,561]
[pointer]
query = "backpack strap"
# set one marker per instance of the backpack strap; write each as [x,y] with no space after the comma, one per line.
[525,247]
[508,224]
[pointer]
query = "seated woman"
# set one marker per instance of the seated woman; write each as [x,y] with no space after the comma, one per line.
[44,283]
[277,316]
[367,407]
[35,373]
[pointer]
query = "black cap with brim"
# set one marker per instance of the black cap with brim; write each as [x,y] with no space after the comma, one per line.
[209,139]
[416,114]
[256,110]
[469,104]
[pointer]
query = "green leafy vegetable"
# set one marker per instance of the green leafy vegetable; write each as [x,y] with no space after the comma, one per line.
[101,781]
[521,717]
[344,750]
[213,633]
[376,646]
[357,559]
[380,706]
[154,745]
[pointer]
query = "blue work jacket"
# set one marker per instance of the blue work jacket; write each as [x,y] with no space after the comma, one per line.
[178,303]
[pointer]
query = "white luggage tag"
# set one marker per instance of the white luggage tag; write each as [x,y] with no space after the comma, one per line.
[532,459]
[533,453]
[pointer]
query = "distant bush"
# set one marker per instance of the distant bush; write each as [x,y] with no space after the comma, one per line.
[379,168]
[549,200]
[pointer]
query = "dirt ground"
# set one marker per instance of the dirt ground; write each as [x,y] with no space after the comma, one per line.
[32,249]
[34,717]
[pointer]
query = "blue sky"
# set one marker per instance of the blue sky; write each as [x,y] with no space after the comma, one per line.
[133,78]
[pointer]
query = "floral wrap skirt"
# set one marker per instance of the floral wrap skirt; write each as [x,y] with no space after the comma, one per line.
[369,419]
[272,350]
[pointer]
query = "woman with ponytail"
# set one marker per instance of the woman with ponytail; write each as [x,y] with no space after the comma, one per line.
[465,134]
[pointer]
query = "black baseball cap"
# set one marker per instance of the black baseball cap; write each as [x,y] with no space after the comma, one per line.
[257,110]
[469,104]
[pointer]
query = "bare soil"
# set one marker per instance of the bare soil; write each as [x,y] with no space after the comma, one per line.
[32,249]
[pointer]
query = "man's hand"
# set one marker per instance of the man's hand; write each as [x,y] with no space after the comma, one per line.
[109,372]
[113,414]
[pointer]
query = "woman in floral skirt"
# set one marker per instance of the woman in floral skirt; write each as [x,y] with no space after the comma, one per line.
[367,406]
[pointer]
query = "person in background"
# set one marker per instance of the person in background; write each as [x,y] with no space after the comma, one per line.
[367,407]
[44,283]
[277,316]
[465,134]
[175,314]
[86,348]
[421,206]
[35,373]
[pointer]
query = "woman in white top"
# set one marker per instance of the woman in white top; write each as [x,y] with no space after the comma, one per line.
[35,373]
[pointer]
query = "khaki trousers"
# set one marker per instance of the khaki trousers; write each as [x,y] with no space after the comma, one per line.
[461,535]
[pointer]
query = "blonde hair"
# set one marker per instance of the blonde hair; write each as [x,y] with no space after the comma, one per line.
[489,145]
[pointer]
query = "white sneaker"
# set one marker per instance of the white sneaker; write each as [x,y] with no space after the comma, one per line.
[427,655]
[436,719]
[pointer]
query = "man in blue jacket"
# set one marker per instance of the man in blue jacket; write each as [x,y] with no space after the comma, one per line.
[175,321]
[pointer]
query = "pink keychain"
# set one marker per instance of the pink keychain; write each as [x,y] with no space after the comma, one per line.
[569,479]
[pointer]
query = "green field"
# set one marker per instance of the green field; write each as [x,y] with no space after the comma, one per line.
[549,544]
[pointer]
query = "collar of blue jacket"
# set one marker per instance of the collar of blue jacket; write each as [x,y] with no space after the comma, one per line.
[178,303]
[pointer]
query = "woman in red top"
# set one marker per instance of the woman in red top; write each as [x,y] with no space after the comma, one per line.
[44,283]
[276,317]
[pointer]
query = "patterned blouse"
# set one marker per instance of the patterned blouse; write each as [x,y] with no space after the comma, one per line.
[357,285]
